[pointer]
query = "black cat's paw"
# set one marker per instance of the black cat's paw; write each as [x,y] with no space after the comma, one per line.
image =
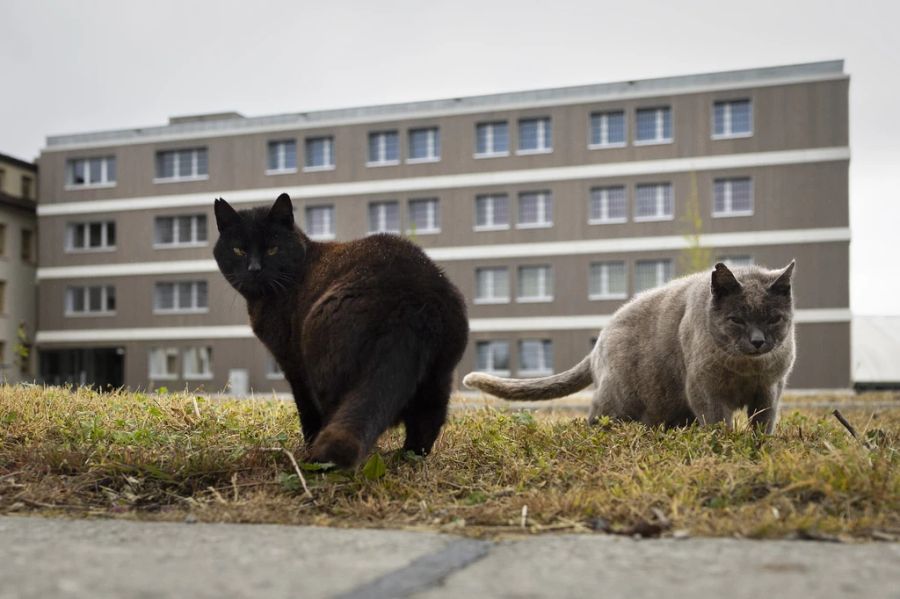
[338,447]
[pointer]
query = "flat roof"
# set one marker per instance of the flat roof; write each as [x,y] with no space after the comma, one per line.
[235,124]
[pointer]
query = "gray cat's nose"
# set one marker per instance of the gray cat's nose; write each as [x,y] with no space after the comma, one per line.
[757,338]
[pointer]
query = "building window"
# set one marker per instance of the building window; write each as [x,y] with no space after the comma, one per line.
[384,148]
[2,181]
[736,261]
[384,217]
[180,231]
[424,145]
[535,284]
[282,156]
[608,205]
[96,300]
[732,118]
[492,357]
[91,237]
[535,209]
[492,285]
[651,273]
[27,185]
[320,222]
[181,165]
[2,297]
[491,139]
[535,135]
[273,370]
[424,216]
[197,363]
[654,125]
[608,129]
[607,281]
[653,201]
[535,357]
[319,153]
[27,245]
[163,363]
[491,212]
[91,172]
[2,240]
[733,197]
[180,297]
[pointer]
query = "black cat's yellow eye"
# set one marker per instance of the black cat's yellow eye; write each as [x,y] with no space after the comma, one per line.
[272,250]
[239,252]
[735,320]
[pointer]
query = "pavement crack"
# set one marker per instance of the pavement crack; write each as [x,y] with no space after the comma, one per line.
[422,573]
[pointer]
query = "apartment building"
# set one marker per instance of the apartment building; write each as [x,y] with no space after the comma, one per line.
[18,265]
[548,208]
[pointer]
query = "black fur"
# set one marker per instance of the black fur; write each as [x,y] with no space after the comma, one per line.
[367,332]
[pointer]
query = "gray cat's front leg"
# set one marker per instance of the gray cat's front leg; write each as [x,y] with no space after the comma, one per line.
[764,412]
[710,410]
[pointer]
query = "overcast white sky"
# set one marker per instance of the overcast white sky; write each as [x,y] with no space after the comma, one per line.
[70,66]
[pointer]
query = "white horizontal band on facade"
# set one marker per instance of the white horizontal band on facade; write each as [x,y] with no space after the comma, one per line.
[222,129]
[476,325]
[492,252]
[438,182]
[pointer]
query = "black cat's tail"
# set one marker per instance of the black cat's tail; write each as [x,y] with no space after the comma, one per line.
[548,387]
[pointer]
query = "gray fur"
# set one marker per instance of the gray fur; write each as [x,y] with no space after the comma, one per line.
[675,355]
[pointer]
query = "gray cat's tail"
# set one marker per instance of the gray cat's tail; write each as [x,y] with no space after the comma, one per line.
[548,387]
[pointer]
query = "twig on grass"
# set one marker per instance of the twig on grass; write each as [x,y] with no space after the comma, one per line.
[296,469]
[846,423]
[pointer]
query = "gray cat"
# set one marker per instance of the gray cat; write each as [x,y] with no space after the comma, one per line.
[696,349]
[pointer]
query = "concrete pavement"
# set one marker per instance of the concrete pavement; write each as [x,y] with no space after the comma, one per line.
[48,558]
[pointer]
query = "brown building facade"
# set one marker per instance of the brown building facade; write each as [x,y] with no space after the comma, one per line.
[548,208]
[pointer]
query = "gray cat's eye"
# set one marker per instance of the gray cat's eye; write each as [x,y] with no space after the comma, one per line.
[735,320]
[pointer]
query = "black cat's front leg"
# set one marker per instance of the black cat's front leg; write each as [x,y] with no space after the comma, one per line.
[308,410]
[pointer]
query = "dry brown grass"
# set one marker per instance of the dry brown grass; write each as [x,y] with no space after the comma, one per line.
[173,456]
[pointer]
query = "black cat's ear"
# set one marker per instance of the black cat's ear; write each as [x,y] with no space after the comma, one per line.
[226,216]
[282,211]
[723,281]
[782,285]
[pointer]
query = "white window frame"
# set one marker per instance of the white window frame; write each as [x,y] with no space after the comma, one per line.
[546,370]
[490,140]
[280,146]
[491,299]
[195,164]
[432,145]
[320,236]
[433,216]
[329,153]
[545,199]
[660,273]
[381,137]
[382,217]
[605,144]
[605,219]
[104,182]
[660,202]
[545,283]
[729,192]
[728,134]
[104,237]
[195,227]
[492,198]
[542,148]
[490,367]
[605,294]
[178,309]
[196,376]
[658,139]
[166,353]
[85,290]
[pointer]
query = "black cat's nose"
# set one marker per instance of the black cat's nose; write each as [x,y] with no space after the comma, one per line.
[254,265]
[757,338]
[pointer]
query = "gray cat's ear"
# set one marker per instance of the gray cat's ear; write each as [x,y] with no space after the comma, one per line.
[226,216]
[782,285]
[282,211]
[723,281]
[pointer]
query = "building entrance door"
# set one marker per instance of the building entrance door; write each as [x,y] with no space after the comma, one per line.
[99,367]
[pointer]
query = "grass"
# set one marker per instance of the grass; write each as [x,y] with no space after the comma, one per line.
[177,456]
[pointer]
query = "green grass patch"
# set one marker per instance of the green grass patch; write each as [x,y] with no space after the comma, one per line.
[167,456]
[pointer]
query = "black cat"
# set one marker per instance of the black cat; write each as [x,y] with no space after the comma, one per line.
[367,332]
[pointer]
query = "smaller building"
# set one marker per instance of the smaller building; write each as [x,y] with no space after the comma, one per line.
[18,263]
